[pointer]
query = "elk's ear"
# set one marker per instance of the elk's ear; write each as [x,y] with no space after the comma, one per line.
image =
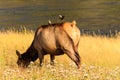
[18,54]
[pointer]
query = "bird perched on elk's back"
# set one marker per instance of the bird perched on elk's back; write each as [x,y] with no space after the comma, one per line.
[61,17]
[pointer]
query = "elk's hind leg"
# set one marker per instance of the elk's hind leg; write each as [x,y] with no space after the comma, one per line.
[74,56]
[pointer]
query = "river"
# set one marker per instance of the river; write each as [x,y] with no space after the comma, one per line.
[89,14]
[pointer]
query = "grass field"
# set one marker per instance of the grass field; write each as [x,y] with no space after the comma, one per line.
[100,59]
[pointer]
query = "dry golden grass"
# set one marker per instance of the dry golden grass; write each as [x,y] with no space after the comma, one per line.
[100,60]
[100,50]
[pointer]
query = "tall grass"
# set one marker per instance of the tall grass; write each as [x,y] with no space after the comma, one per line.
[100,59]
[100,50]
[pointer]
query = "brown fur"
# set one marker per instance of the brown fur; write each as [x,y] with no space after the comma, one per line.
[53,39]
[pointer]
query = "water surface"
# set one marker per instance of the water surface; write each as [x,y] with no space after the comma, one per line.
[89,14]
